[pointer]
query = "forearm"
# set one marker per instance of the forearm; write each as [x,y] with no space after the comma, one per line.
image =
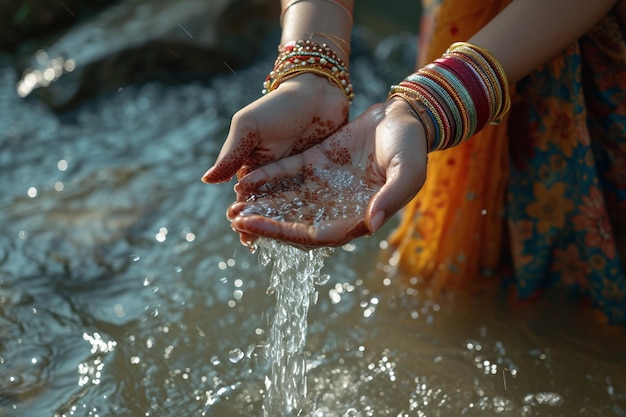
[529,32]
[323,21]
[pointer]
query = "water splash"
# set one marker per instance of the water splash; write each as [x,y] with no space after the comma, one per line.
[295,272]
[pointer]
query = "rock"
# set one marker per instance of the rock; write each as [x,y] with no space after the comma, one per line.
[139,40]
[23,20]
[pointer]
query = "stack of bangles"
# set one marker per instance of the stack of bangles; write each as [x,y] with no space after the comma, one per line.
[306,56]
[461,93]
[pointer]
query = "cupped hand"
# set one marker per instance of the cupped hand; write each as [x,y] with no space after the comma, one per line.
[343,188]
[300,113]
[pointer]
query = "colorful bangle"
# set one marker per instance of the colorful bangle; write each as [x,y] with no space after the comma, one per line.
[497,67]
[487,80]
[474,87]
[452,104]
[459,93]
[438,110]
[491,78]
[462,92]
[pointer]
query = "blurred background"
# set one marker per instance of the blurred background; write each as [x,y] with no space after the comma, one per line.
[123,291]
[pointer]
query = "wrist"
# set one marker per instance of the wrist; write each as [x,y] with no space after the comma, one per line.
[419,112]
[322,21]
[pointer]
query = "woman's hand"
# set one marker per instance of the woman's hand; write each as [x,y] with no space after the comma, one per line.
[343,188]
[300,113]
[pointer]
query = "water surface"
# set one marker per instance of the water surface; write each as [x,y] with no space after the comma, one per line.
[123,291]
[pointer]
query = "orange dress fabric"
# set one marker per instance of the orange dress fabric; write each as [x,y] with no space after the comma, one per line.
[540,198]
[453,228]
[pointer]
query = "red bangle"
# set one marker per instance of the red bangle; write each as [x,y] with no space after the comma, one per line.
[473,84]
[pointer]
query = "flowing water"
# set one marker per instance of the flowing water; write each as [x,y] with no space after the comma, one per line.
[123,291]
[294,274]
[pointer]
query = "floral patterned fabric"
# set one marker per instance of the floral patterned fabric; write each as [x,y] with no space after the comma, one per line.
[545,190]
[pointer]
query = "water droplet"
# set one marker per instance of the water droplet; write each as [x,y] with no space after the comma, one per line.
[252,247]
[235,355]
[335,297]
[250,350]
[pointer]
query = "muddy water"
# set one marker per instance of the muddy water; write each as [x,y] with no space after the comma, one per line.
[123,291]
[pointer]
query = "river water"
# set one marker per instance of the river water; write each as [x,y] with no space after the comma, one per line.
[123,291]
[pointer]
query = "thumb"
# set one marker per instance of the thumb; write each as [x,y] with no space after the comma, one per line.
[241,141]
[403,181]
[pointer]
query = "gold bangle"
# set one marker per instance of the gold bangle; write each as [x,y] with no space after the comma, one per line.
[342,44]
[294,71]
[487,54]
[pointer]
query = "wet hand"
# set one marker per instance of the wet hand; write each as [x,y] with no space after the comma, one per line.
[343,188]
[300,113]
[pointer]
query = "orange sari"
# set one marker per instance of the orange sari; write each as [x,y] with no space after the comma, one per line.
[453,228]
[545,190]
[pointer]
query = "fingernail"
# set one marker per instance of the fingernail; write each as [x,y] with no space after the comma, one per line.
[376,221]
[205,177]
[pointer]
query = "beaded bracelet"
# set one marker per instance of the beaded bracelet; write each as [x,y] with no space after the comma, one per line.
[304,56]
[463,91]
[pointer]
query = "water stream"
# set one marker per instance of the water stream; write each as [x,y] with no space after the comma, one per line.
[294,275]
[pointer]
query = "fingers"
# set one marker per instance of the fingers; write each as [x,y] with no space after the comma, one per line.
[329,233]
[247,240]
[403,180]
[280,124]
[241,141]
